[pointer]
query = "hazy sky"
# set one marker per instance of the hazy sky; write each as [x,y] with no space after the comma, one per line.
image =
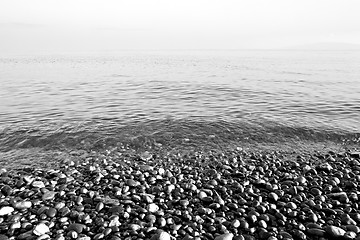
[28,26]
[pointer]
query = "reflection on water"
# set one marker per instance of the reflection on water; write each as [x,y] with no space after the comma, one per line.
[312,90]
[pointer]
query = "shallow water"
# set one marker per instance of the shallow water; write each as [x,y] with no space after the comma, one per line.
[197,97]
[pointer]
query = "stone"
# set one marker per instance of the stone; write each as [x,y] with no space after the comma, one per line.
[226,236]
[72,234]
[84,238]
[355,154]
[337,195]
[26,235]
[49,195]
[114,221]
[315,191]
[187,237]
[335,232]
[350,235]
[6,210]
[134,227]
[202,195]
[6,190]
[15,225]
[22,205]
[353,228]
[291,205]
[326,167]
[41,229]
[3,237]
[263,233]
[235,223]
[146,168]
[218,199]
[99,236]
[77,227]
[285,235]
[116,209]
[146,156]
[152,207]
[132,183]
[28,179]
[299,235]
[64,211]
[99,206]
[51,212]
[38,184]
[301,180]
[273,196]
[161,236]
[316,232]
[110,201]
[42,237]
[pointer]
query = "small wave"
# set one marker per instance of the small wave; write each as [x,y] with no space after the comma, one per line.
[119,76]
[297,73]
[168,133]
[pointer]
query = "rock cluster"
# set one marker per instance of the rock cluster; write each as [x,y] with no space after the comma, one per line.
[218,196]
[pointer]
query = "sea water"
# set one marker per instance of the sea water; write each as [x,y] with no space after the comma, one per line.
[182,98]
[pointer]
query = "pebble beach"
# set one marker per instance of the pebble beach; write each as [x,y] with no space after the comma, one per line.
[234,194]
[180,145]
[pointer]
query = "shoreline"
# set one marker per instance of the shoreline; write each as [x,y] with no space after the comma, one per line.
[230,194]
[51,157]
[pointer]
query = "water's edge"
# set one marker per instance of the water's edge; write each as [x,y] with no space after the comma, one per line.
[46,146]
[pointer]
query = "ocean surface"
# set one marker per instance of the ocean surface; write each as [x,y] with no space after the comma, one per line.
[175,99]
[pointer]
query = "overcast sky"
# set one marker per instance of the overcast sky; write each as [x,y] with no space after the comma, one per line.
[103,25]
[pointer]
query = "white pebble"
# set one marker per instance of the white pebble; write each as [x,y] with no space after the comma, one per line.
[41,229]
[226,236]
[152,207]
[22,205]
[38,184]
[6,210]
[161,171]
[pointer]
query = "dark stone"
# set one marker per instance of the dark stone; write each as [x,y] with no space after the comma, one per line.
[116,209]
[355,155]
[77,227]
[298,234]
[64,211]
[51,212]
[3,237]
[316,232]
[6,190]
